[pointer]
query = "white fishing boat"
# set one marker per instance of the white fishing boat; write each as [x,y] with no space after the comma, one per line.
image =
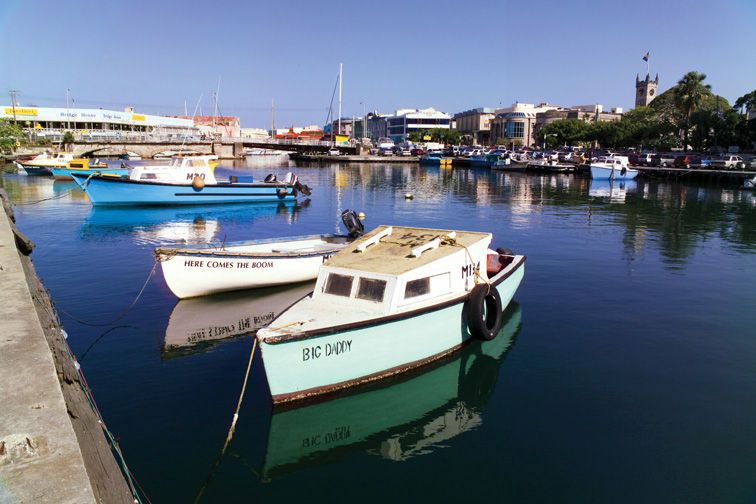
[201,270]
[45,162]
[384,305]
[613,168]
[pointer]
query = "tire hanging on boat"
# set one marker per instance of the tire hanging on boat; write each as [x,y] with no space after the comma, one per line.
[485,312]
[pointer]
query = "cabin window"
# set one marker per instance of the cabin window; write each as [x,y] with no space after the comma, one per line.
[339,285]
[148,176]
[371,289]
[418,287]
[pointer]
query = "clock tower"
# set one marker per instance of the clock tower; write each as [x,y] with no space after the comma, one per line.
[645,90]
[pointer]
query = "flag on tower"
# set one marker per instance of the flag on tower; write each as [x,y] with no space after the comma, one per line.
[646,56]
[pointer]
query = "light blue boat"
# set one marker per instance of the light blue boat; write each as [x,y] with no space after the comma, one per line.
[393,300]
[613,168]
[111,191]
[407,418]
[67,173]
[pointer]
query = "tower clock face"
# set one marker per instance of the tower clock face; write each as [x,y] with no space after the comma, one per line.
[651,92]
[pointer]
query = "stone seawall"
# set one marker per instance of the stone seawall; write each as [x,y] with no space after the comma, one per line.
[52,448]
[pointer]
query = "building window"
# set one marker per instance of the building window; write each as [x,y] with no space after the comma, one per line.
[515,129]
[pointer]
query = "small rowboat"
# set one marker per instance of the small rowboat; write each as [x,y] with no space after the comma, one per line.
[199,271]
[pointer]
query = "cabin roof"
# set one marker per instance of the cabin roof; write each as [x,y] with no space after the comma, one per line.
[392,254]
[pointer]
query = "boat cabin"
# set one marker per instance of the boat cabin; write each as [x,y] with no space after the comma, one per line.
[394,269]
[180,170]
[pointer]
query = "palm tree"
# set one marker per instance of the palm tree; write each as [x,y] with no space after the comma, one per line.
[689,94]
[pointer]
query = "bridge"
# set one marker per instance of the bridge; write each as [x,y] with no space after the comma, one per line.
[148,146]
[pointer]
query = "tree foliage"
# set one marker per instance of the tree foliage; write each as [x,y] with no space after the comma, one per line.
[10,134]
[445,136]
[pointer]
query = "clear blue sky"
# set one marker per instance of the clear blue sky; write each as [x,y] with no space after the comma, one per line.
[449,55]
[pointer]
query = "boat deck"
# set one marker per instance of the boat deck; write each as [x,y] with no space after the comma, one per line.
[392,254]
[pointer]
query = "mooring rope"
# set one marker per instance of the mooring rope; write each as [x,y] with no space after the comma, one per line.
[59,196]
[124,313]
[241,397]
[477,277]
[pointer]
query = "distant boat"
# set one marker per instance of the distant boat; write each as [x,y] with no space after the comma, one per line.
[613,168]
[186,180]
[86,167]
[45,162]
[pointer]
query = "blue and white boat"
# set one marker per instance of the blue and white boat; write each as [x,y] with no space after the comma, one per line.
[86,167]
[613,168]
[185,181]
[384,305]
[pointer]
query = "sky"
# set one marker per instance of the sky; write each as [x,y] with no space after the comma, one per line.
[453,56]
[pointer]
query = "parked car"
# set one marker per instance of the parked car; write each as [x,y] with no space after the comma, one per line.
[385,152]
[565,156]
[728,162]
[417,151]
[334,152]
[684,161]
[402,150]
[663,160]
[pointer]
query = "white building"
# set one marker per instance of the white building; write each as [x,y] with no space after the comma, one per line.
[47,121]
[406,121]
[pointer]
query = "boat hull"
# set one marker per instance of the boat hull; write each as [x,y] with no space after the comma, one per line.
[310,366]
[599,172]
[111,191]
[199,274]
[65,173]
[35,170]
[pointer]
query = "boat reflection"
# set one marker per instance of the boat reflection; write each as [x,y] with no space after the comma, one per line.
[159,225]
[199,323]
[410,417]
[614,190]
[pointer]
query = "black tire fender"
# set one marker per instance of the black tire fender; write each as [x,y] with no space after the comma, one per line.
[485,312]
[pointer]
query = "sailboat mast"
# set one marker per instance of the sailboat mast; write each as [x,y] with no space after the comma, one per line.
[340,78]
[273,118]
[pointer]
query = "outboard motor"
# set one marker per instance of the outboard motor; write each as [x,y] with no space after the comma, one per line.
[290,178]
[352,223]
[271,179]
[303,188]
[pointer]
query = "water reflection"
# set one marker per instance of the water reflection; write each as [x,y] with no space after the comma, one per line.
[615,191]
[412,417]
[191,224]
[199,323]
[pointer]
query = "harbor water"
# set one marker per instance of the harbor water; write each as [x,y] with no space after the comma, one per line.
[625,371]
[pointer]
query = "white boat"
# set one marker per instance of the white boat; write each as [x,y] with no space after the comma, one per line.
[750,183]
[613,168]
[198,270]
[45,162]
[384,305]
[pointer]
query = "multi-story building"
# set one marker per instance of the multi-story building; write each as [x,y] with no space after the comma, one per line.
[53,122]
[406,121]
[475,123]
[516,124]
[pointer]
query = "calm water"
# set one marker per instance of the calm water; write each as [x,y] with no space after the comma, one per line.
[626,371]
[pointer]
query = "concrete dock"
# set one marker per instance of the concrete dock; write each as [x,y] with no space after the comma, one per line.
[52,448]
[323,158]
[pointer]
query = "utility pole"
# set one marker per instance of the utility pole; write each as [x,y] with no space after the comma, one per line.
[68,107]
[13,103]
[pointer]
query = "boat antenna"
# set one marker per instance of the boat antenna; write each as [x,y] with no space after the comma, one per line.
[181,149]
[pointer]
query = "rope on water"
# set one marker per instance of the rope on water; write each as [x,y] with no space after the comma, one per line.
[124,313]
[59,196]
